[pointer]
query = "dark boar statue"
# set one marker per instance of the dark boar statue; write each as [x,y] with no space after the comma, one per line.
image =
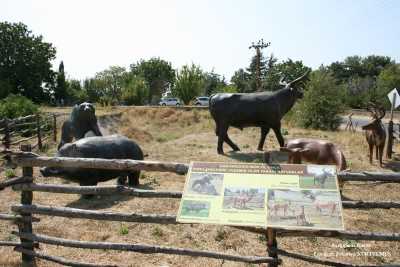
[107,147]
[81,121]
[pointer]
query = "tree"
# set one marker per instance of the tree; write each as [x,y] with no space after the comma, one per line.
[288,69]
[252,71]
[241,79]
[158,74]
[359,75]
[60,90]
[92,87]
[110,83]
[322,103]
[189,83]
[387,80]
[135,92]
[212,81]
[25,62]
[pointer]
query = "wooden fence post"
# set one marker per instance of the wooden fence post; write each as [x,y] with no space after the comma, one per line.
[6,140]
[39,136]
[389,149]
[54,127]
[272,246]
[26,225]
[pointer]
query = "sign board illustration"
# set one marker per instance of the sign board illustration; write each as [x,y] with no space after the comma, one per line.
[251,194]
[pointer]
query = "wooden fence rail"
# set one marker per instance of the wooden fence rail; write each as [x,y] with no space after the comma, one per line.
[33,125]
[141,248]
[123,190]
[34,160]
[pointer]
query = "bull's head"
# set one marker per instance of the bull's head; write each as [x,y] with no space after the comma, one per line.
[296,84]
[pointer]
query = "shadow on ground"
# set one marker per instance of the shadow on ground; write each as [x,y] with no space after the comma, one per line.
[257,157]
[103,201]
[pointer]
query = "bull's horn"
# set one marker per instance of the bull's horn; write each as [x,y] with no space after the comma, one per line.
[300,78]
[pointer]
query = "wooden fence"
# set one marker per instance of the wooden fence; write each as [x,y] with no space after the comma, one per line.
[24,129]
[24,213]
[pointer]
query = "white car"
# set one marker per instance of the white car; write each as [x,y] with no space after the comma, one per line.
[201,101]
[169,102]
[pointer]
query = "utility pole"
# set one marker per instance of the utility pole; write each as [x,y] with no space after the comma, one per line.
[258,46]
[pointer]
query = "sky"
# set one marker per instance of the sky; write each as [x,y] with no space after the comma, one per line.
[92,35]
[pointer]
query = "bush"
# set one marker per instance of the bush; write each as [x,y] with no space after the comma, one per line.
[136,92]
[14,106]
[322,103]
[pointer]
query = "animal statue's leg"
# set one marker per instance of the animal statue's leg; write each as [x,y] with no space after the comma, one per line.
[66,134]
[95,129]
[264,132]
[121,180]
[381,147]
[277,131]
[371,150]
[133,179]
[220,149]
[230,143]
[377,152]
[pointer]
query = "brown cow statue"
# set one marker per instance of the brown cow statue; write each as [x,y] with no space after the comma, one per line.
[375,133]
[315,151]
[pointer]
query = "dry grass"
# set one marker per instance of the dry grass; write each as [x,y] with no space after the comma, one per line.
[177,135]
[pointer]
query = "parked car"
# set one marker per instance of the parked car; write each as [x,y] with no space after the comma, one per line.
[201,101]
[169,102]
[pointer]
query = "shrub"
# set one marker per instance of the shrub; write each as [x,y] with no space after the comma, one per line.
[322,102]
[14,106]
[136,92]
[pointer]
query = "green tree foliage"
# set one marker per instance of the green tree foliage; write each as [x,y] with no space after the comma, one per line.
[14,106]
[213,82]
[228,89]
[110,83]
[387,80]
[158,74]
[189,83]
[93,88]
[356,66]
[135,91]
[289,70]
[241,80]
[75,92]
[25,62]
[359,76]
[322,102]
[252,71]
[60,90]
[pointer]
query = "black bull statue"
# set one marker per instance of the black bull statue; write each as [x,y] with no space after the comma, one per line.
[81,121]
[264,110]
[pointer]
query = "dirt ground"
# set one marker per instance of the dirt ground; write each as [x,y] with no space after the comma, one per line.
[181,135]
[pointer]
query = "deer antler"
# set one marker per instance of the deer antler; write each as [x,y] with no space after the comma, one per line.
[377,111]
[382,113]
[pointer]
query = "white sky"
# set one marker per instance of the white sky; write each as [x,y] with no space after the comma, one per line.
[91,35]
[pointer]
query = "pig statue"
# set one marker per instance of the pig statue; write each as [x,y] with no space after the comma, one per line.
[106,147]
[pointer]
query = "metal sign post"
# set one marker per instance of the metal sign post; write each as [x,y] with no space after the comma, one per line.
[395,100]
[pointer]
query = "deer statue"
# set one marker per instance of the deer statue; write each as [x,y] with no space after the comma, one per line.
[375,132]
